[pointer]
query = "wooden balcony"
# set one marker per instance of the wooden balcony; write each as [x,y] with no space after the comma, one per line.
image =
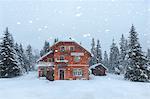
[61,61]
[45,64]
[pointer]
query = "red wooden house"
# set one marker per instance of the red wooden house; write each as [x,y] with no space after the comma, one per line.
[67,60]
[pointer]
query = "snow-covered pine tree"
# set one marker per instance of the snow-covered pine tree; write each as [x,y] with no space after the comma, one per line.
[105,60]
[148,63]
[36,56]
[113,59]
[122,55]
[23,59]
[148,54]
[19,57]
[29,55]
[45,49]
[98,52]
[93,52]
[136,70]
[56,40]
[8,62]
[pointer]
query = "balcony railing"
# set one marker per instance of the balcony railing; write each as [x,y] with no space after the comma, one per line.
[65,61]
[45,64]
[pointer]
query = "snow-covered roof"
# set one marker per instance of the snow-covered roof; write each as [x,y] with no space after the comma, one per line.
[44,56]
[98,64]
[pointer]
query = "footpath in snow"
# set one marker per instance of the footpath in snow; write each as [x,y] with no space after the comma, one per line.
[107,87]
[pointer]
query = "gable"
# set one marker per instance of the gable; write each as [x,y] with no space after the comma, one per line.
[42,58]
[70,43]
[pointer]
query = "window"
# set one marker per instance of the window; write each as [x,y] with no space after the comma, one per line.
[62,57]
[77,72]
[77,58]
[71,48]
[50,60]
[62,48]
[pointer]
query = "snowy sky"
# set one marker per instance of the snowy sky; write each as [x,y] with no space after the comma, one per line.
[34,21]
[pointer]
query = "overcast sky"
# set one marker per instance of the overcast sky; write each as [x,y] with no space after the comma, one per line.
[34,21]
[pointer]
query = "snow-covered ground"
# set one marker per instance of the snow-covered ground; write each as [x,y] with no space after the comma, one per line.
[108,87]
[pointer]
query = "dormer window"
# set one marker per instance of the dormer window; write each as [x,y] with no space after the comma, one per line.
[72,48]
[62,48]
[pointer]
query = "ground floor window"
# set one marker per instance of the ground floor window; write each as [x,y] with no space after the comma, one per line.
[77,72]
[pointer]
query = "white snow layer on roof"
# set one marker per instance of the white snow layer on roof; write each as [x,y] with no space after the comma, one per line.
[44,56]
[98,64]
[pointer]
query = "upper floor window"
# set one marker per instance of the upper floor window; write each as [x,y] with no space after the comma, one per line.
[77,58]
[72,48]
[62,57]
[62,48]
[50,60]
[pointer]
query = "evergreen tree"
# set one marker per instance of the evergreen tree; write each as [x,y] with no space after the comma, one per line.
[113,59]
[148,63]
[19,57]
[136,60]
[105,60]
[122,56]
[8,62]
[23,59]
[93,52]
[36,56]
[45,49]
[56,40]
[29,56]
[148,54]
[98,52]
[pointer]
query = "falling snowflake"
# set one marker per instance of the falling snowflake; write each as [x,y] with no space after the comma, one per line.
[106,20]
[18,23]
[78,14]
[107,30]
[63,24]
[60,12]
[39,29]
[78,8]
[45,26]
[30,21]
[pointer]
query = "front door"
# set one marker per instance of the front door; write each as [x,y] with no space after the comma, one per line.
[61,74]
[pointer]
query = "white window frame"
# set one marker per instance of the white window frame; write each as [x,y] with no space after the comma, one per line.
[61,48]
[77,72]
[62,56]
[77,60]
[72,47]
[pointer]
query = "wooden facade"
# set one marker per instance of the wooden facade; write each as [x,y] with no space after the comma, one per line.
[98,69]
[67,60]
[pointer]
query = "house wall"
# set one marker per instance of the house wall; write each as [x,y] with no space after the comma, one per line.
[69,72]
[83,64]
[71,64]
